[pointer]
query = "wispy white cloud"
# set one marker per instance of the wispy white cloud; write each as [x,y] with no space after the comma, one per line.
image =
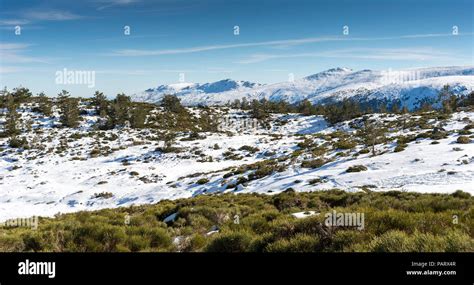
[11,69]
[275,70]
[13,46]
[277,43]
[155,71]
[26,18]
[123,72]
[23,27]
[138,52]
[434,35]
[13,22]
[104,4]
[15,57]
[50,15]
[415,54]
[14,53]
[218,70]
[260,57]
[129,37]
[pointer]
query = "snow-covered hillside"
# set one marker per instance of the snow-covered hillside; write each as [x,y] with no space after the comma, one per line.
[187,91]
[411,87]
[67,170]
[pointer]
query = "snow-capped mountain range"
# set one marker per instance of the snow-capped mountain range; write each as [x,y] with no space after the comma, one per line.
[410,87]
[195,90]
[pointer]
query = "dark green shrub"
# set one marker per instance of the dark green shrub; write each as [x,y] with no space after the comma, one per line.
[11,243]
[195,242]
[391,241]
[249,148]
[288,200]
[345,144]
[16,142]
[103,195]
[469,126]
[426,242]
[298,243]
[344,240]
[438,134]
[159,238]
[315,181]
[137,243]
[315,163]
[202,181]
[463,140]
[239,241]
[400,147]
[461,194]
[456,241]
[356,168]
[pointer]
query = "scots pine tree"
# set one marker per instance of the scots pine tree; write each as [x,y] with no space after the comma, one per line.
[69,110]
[305,107]
[45,106]
[236,104]
[258,109]
[3,97]
[138,117]
[100,103]
[63,96]
[172,104]
[448,99]
[21,94]
[208,121]
[169,141]
[372,133]
[245,105]
[119,112]
[12,116]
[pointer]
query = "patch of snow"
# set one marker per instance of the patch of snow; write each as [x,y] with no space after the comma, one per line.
[305,214]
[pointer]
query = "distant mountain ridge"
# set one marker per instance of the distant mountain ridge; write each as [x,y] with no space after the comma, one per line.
[186,89]
[410,87]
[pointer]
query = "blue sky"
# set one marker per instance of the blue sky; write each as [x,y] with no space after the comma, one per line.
[169,37]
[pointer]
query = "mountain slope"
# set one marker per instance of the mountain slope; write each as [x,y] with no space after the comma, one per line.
[69,170]
[411,87]
[194,93]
